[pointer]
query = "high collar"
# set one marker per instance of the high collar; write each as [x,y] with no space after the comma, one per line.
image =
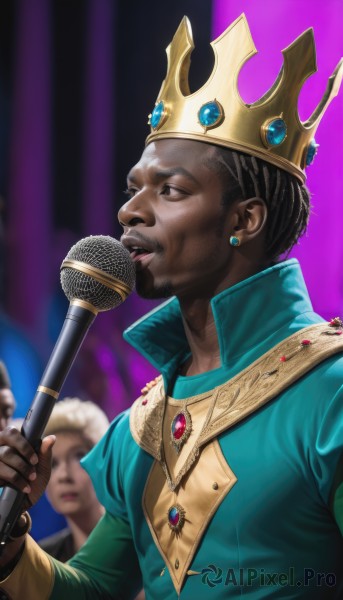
[250,317]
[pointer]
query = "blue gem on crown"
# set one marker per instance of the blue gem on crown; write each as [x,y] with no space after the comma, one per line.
[311,152]
[275,132]
[210,114]
[158,115]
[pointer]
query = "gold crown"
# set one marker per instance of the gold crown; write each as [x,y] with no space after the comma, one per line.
[270,128]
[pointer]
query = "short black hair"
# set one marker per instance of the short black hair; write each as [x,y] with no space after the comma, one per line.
[287,199]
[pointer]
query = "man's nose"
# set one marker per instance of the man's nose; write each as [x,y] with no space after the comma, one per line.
[136,210]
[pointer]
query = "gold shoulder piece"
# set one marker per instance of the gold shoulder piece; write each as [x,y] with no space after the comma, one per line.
[146,418]
[245,393]
[270,375]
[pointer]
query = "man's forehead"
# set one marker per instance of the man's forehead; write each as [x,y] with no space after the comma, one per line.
[175,153]
[175,146]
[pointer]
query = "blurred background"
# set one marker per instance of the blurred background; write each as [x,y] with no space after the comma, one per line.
[78,79]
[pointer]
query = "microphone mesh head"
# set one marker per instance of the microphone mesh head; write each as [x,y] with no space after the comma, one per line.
[107,254]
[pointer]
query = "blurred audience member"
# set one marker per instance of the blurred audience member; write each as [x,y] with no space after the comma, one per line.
[7,401]
[7,408]
[78,425]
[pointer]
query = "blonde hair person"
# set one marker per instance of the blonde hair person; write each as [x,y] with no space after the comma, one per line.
[73,414]
[78,426]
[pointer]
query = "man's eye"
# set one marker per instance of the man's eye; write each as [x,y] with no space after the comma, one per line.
[173,192]
[167,190]
[130,192]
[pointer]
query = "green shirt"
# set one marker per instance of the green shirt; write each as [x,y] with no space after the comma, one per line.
[277,532]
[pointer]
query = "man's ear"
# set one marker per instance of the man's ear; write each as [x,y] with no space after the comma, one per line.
[249,218]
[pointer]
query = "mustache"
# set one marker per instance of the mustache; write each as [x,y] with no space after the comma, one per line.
[146,242]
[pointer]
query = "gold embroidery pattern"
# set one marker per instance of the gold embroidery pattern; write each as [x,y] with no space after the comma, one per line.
[200,496]
[206,476]
[242,395]
[269,376]
[146,419]
[206,401]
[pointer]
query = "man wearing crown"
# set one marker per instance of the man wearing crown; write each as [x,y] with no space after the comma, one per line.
[225,478]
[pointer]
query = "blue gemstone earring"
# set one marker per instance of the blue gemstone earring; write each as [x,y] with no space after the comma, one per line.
[234,240]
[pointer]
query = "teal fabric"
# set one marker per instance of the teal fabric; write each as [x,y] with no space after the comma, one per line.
[275,535]
[251,317]
[97,573]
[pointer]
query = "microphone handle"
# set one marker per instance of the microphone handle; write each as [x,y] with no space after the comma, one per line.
[76,324]
[75,327]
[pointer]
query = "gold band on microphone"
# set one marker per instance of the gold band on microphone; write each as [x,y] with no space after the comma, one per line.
[85,304]
[108,280]
[46,390]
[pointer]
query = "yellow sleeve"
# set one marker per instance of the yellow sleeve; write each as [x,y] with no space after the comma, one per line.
[105,568]
[33,576]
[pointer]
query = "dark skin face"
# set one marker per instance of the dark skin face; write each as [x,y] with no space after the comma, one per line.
[177,230]
[176,214]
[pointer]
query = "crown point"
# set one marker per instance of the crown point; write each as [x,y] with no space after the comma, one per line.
[178,55]
[186,24]
[336,77]
[331,91]
[184,32]
[303,45]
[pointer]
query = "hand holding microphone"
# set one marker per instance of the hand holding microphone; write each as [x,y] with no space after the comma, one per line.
[97,275]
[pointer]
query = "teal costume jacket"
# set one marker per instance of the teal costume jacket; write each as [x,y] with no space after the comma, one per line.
[277,532]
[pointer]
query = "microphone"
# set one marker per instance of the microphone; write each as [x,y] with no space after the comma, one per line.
[96,275]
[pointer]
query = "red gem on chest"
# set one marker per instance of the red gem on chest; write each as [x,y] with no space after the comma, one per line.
[179,426]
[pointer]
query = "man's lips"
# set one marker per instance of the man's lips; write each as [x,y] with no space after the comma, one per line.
[140,247]
[138,254]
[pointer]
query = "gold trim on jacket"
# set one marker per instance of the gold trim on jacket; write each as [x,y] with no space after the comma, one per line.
[197,479]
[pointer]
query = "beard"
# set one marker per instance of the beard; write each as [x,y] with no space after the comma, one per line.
[146,288]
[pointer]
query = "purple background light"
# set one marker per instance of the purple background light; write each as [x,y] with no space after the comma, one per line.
[274,26]
[98,124]
[30,220]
